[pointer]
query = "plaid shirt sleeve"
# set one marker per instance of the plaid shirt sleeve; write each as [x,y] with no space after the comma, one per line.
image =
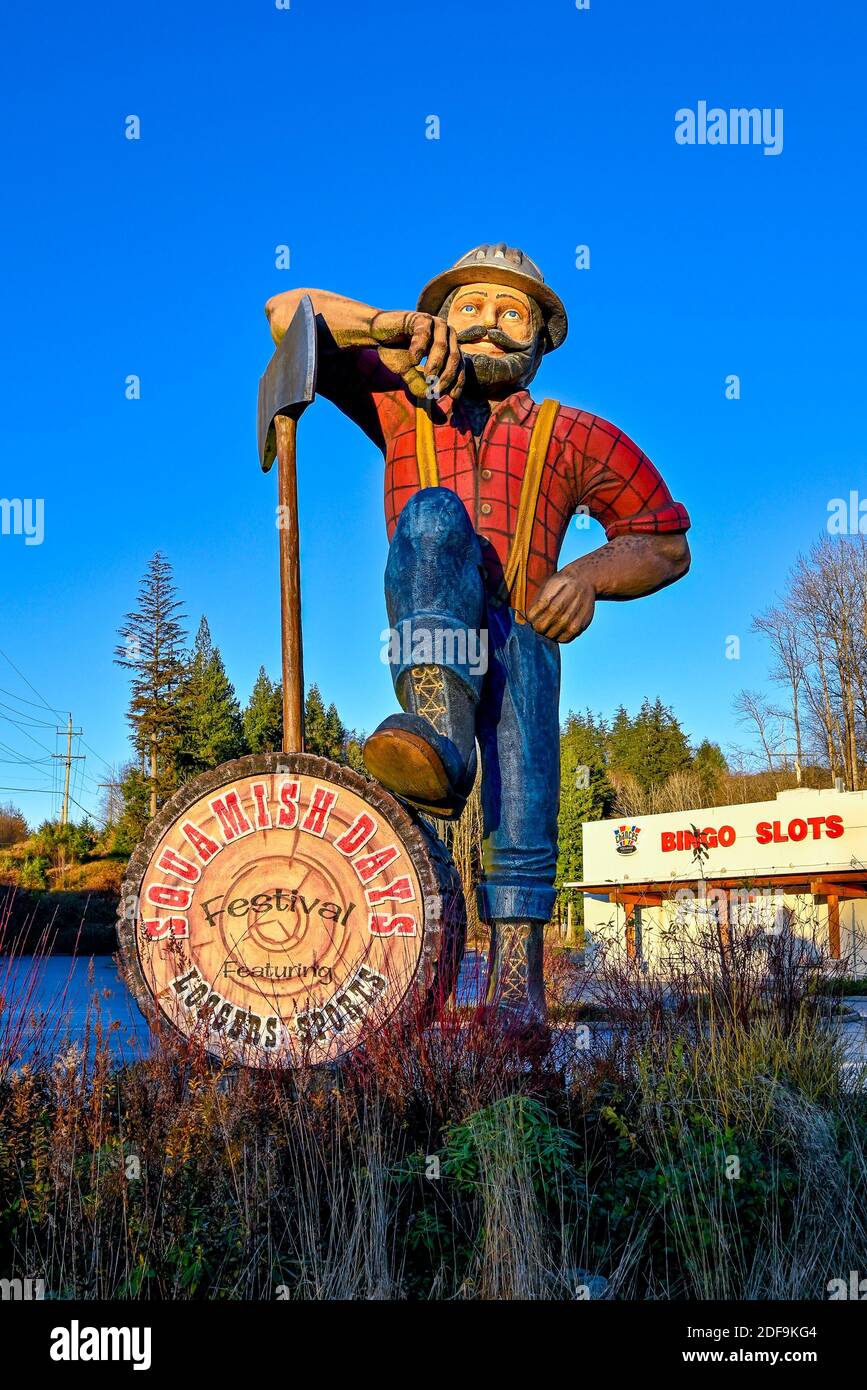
[355,380]
[618,484]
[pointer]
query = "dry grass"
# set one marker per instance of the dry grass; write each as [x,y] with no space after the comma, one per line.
[96,876]
[707,1140]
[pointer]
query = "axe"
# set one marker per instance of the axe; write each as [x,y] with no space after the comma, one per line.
[286,388]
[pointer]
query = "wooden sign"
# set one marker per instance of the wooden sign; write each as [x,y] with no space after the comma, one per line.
[281,905]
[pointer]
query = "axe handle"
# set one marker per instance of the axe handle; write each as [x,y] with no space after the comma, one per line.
[290,587]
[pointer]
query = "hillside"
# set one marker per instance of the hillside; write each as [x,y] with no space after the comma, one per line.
[61,906]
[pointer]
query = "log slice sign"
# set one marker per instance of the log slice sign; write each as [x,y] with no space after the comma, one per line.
[281,905]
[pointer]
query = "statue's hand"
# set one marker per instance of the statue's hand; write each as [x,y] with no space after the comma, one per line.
[564,606]
[422,349]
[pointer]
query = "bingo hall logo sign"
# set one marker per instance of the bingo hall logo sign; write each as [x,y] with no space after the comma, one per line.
[280,905]
[626,838]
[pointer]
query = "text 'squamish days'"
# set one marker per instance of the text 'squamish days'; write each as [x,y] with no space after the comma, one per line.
[287,813]
[242,811]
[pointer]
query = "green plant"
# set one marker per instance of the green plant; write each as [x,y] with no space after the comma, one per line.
[32,872]
[544,1146]
[71,842]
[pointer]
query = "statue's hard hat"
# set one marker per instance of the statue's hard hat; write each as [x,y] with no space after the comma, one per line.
[501,265]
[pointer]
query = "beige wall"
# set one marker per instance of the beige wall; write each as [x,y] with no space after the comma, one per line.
[664,928]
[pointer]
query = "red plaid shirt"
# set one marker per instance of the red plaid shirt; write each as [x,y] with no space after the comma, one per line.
[590,465]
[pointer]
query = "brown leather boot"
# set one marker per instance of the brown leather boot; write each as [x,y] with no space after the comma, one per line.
[428,754]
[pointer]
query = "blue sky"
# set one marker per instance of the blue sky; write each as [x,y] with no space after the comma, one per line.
[306,126]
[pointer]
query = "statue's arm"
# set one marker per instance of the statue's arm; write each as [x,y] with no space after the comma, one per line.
[417,347]
[616,483]
[348,321]
[629,566]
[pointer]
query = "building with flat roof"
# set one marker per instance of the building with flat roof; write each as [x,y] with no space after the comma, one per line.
[800,859]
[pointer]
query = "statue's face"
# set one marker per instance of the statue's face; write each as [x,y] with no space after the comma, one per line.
[491,307]
[499,337]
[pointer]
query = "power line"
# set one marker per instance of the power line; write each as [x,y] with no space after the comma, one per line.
[81,776]
[22,729]
[97,755]
[30,684]
[29,762]
[48,792]
[21,700]
[31,722]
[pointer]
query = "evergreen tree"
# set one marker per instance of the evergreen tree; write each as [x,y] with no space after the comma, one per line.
[152,648]
[619,733]
[651,746]
[324,731]
[622,751]
[353,750]
[135,788]
[711,767]
[317,735]
[585,792]
[213,731]
[263,717]
[335,735]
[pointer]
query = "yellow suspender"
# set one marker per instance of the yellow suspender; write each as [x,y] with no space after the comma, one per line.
[425,449]
[428,476]
[516,565]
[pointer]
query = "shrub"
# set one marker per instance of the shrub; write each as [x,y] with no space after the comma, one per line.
[33,870]
[68,843]
[13,826]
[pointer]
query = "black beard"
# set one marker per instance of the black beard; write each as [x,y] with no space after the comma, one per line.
[489,377]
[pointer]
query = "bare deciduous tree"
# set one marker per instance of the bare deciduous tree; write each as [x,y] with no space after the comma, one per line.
[751,707]
[817,632]
[780,627]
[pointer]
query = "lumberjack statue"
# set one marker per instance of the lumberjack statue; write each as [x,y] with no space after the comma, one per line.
[480,485]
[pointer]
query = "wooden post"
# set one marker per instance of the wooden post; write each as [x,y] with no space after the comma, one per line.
[629,906]
[290,587]
[724,922]
[834,926]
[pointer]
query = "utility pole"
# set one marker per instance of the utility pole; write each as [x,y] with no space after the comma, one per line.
[69,758]
[112,788]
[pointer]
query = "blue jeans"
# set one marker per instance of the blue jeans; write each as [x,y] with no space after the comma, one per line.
[435,583]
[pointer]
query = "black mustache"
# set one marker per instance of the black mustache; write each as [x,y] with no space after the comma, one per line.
[494,335]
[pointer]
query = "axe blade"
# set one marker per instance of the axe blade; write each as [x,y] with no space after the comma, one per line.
[288,384]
